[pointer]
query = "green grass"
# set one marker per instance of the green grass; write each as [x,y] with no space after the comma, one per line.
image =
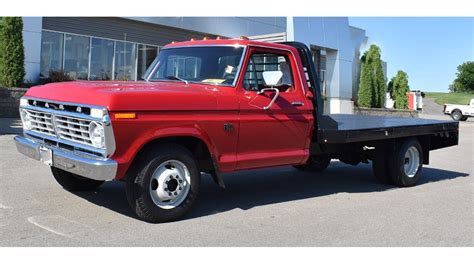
[452,98]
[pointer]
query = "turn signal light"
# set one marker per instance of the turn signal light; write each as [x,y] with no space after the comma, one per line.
[125,116]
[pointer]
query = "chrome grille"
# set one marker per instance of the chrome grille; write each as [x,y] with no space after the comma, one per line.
[73,129]
[41,122]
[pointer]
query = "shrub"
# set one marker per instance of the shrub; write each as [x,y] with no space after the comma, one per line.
[400,89]
[372,84]
[12,58]
[58,76]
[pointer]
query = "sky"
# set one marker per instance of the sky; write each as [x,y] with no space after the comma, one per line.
[429,49]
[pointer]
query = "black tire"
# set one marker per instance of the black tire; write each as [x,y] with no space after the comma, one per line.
[380,166]
[315,164]
[73,182]
[456,115]
[138,183]
[464,118]
[398,161]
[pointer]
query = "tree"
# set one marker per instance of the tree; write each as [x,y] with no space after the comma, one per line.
[464,81]
[400,89]
[12,60]
[372,84]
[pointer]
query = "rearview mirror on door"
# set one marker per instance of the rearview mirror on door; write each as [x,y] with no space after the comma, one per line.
[272,78]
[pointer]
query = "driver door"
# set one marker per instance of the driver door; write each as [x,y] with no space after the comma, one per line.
[280,134]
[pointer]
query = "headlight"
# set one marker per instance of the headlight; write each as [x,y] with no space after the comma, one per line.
[26,119]
[96,133]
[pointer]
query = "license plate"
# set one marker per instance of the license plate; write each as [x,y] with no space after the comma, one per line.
[46,155]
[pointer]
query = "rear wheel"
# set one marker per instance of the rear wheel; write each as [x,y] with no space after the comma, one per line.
[406,163]
[164,185]
[73,182]
[456,115]
[315,164]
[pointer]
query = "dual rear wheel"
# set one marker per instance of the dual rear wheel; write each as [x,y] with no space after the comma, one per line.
[400,164]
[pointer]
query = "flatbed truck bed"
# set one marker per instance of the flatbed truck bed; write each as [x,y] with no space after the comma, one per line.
[345,128]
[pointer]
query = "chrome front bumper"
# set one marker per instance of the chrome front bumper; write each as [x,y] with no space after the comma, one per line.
[93,168]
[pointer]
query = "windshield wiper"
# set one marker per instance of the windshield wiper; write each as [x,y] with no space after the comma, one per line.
[177,78]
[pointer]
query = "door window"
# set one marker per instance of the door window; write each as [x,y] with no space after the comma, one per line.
[260,62]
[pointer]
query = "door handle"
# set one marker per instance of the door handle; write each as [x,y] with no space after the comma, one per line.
[297,103]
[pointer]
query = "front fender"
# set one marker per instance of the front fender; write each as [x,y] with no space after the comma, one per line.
[130,139]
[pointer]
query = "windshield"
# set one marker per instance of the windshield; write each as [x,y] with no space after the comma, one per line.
[210,65]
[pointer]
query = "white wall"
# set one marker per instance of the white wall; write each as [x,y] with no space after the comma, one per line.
[224,26]
[334,34]
[32,27]
[359,40]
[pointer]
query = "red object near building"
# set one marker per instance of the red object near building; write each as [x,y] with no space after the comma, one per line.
[411,100]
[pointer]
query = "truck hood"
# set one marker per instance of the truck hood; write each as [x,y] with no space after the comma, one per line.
[130,96]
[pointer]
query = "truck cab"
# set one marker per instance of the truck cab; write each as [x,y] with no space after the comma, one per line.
[211,106]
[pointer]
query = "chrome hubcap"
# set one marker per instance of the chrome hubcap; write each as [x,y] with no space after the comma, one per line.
[170,184]
[411,162]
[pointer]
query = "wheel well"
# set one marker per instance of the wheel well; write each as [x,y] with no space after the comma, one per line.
[454,110]
[196,146]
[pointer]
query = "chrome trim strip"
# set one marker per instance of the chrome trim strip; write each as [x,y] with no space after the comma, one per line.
[62,113]
[62,141]
[65,103]
[86,166]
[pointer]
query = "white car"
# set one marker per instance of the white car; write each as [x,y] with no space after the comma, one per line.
[459,111]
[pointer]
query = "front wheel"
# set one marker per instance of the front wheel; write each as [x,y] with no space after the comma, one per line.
[315,164]
[164,185]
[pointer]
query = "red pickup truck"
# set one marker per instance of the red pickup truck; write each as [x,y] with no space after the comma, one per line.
[211,106]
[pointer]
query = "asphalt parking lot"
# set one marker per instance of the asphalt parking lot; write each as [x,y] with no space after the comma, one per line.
[343,206]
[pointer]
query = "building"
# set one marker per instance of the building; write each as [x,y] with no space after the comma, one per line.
[121,48]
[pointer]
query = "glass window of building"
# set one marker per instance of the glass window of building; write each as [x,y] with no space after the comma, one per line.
[102,58]
[76,56]
[51,52]
[146,55]
[125,60]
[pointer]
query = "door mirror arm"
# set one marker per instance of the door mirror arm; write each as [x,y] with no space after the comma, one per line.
[277,93]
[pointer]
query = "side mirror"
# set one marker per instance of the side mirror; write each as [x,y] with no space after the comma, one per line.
[272,78]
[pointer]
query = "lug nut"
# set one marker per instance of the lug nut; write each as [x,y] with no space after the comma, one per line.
[176,193]
[166,189]
[180,188]
[170,194]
